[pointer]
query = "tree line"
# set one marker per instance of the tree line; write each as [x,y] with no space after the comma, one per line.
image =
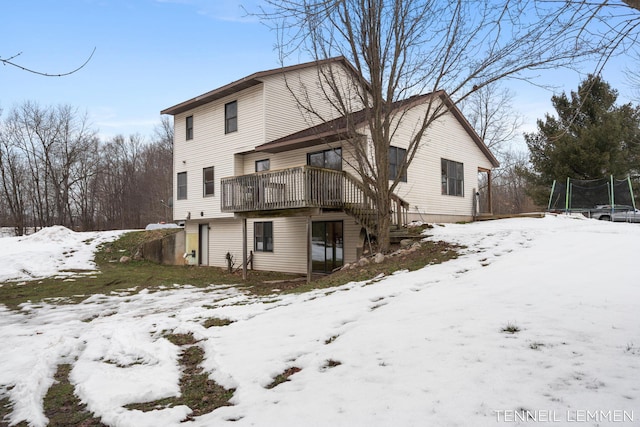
[55,170]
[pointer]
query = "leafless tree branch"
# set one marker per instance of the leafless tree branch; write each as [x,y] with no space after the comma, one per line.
[10,61]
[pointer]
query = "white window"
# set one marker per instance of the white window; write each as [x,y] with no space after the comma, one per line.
[182,186]
[452,178]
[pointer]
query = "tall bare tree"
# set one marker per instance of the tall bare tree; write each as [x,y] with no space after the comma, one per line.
[49,141]
[159,166]
[491,112]
[55,170]
[402,48]
[13,188]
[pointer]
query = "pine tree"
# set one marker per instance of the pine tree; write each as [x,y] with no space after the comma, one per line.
[590,138]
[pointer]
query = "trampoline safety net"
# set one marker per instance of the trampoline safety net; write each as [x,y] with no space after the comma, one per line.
[583,195]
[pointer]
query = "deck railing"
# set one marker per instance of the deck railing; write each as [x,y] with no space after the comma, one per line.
[301,187]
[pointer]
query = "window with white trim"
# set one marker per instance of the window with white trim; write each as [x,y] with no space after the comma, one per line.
[263,236]
[452,178]
[207,182]
[231,117]
[182,186]
[189,127]
[397,158]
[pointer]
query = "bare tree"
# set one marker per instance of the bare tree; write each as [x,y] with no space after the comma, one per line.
[159,161]
[491,112]
[46,147]
[13,186]
[404,48]
[84,192]
[54,170]
[509,189]
[119,186]
[135,184]
[633,76]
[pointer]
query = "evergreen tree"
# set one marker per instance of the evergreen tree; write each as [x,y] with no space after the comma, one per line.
[590,138]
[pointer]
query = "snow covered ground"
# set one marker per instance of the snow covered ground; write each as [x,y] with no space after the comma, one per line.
[52,251]
[423,348]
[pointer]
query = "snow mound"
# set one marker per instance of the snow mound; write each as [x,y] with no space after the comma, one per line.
[52,251]
[55,233]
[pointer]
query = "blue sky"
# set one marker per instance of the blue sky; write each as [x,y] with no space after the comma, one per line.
[152,54]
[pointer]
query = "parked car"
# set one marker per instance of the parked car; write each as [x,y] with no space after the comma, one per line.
[617,213]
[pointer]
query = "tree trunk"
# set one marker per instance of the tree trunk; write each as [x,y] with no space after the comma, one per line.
[384,221]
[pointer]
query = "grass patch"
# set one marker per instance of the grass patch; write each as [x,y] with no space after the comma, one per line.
[330,339]
[429,253]
[510,328]
[630,348]
[216,321]
[332,363]
[181,339]
[130,277]
[418,230]
[5,411]
[197,391]
[135,275]
[62,406]
[283,377]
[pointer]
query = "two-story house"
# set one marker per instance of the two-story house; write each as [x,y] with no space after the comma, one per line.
[253,171]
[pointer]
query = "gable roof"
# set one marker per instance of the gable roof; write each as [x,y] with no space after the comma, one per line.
[247,82]
[337,129]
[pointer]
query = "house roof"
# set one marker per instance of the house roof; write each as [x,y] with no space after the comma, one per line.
[337,129]
[331,131]
[247,82]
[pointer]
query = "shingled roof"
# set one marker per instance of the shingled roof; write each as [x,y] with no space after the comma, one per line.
[247,82]
[337,129]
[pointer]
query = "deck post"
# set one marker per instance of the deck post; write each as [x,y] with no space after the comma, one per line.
[309,254]
[244,248]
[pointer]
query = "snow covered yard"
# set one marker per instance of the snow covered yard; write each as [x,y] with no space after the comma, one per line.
[538,322]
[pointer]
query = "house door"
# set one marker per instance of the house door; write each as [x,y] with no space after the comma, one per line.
[327,246]
[203,244]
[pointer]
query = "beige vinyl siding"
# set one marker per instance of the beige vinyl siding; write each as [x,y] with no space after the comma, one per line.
[283,114]
[444,139]
[289,246]
[289,242]
[210,146]
[294,158]
[225,235]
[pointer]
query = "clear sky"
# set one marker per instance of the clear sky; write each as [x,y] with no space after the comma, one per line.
[152,54]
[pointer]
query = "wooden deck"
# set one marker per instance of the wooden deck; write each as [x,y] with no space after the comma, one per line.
[301,188]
